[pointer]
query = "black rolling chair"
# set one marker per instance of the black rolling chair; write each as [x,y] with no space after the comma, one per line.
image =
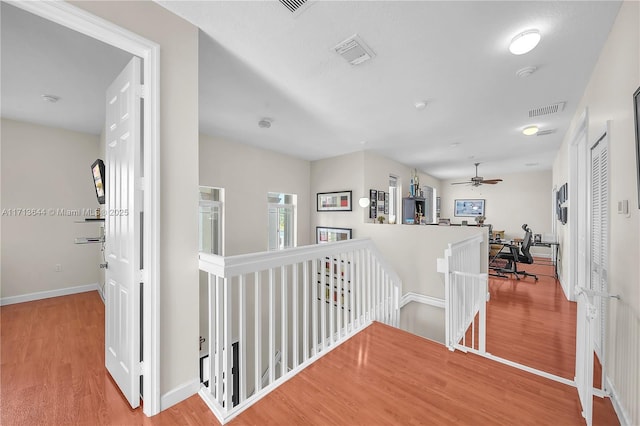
[519,254]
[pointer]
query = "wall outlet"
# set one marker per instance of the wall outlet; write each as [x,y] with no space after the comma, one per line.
[58,267]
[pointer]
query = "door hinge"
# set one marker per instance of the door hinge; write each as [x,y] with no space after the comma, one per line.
[143,276]
[141,368]
[142,183]
[142,91]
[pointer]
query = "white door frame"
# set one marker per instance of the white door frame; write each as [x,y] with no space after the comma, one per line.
[86,23]
[578,206]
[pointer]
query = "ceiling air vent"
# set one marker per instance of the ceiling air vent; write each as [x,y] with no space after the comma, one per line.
[354,50]
[547,110]
[294,5]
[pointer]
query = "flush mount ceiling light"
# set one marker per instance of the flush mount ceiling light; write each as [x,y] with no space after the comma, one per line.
[265,123]
[524,42]
[530,131]
[50,98]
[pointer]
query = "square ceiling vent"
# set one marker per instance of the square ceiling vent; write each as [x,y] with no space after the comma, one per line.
[547,109]
[354,50]
[296,6]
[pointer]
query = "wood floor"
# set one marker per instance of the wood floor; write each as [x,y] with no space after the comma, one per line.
[532,323]
[52,373]
[52,369]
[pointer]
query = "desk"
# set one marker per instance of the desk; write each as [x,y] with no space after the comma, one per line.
[554,253]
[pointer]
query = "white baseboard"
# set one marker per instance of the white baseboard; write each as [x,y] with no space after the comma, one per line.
[48,294]
[421,298]
[623,416]
[179,393]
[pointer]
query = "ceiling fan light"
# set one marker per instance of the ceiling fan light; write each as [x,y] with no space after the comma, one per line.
[530,131]
[524,42]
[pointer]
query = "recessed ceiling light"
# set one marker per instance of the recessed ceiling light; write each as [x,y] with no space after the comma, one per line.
[524,42]
[531,164]
[526,71]
[420,105]
[265,123]
[530,131]
[50,98]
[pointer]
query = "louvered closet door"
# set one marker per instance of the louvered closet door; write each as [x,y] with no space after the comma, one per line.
[600,235]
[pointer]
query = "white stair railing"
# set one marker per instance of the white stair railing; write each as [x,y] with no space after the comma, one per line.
[298,303]
[465,295]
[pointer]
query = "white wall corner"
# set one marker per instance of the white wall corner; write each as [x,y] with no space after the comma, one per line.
[180,393]
[30,297]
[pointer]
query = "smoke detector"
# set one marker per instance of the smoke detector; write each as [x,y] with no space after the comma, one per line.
[354,50]
[50,98]
[265,123]
[526,71]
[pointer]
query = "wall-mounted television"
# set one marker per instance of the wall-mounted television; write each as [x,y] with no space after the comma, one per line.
[97,170]
[468,208]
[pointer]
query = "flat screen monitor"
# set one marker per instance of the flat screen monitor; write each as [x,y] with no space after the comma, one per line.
[97,170]
[468,208]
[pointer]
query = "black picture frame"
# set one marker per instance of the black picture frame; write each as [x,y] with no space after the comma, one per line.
[325,234]
[339,201]
[99,180]
[373,203]
[636,115]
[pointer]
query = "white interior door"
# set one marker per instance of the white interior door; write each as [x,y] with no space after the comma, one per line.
[122,224]
[599,237]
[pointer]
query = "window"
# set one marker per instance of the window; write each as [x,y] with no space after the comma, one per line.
[210,220]
[430,204]
[282,220]
[393,198]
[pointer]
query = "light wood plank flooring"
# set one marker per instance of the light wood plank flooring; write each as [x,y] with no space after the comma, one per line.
[532,323]
[52,373]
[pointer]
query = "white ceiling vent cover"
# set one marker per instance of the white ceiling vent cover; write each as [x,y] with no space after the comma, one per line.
[354,50]
[547,110]
[296,6]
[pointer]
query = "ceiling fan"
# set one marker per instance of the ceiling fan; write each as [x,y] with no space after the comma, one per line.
[478,180]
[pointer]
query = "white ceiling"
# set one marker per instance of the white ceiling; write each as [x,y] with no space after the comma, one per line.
[258,60]
[40,57]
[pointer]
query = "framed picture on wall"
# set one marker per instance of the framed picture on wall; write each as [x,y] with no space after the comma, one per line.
[331,235]
[381,198]
[373,204]
[333,201]
[636,114]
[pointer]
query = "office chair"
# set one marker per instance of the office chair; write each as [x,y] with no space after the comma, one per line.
[519,254]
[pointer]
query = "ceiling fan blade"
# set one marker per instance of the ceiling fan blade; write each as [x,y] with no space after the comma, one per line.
[461,183]
[492,181]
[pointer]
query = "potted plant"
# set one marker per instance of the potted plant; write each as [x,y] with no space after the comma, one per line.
[480,220]
[381,219]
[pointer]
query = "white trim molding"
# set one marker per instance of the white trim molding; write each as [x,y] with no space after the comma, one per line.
[180,393]
[86,23]
[421,298]
[623,416]
[30,297]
